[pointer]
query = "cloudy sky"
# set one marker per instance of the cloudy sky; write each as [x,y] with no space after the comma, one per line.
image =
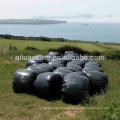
[70,10]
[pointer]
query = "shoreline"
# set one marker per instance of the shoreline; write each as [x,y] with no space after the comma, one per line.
[48,39]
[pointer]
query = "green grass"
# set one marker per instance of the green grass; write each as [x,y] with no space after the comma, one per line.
[20,44]
[28,107]
[22,106]
[112,95]
[112,45]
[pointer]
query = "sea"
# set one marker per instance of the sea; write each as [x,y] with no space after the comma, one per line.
[102,32]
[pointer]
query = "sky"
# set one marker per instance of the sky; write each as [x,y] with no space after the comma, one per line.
[69,10]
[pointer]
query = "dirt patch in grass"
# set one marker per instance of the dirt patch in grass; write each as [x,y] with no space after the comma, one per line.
[65,114]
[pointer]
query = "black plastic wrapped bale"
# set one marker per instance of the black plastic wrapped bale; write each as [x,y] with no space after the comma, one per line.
[86,58]
[52,55]
[48,85]
[37,69]
[74,74]
[60,60]
[93,63]
[75,88]
[67,58]
[74,67]
[98,81]
[77,62]
[86,70]
[62,71]
[46,67]
[41,68]
[69,52]
[56,64]
[34,65]
[92,66]
[31,62]
[70,56]
[74,55]
[23,81]
[35,60]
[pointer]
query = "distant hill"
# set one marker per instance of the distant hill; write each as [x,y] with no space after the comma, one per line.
[30,21]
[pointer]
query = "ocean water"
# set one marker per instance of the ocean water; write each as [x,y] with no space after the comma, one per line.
[74,31]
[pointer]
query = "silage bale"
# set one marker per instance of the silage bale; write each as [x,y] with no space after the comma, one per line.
[41,68]
[75,88]
[67,58]
[74,67]
[77,62]
[52,55]
[48,85]
[56,64]
[70,56]
[92,66]
[31,62]
[23,81]
[98,81]
[60,61]
[62,71]
[34,65]
[86,58]
[93,63]
[69,52]
[74,74]
[35,69]
[35,60]
[46,67]
[85,70]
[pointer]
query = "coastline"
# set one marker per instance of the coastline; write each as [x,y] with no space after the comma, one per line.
[30,21]
[49,39]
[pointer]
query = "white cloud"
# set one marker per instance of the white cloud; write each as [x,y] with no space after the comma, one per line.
[35,8]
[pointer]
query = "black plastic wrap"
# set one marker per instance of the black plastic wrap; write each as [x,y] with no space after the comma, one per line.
[56,64]
[31,62]
[60,61]
[77,62]
[41,68]
[74,67]
[74,74]
[69,52]
[75,88]
[62,71]
[48,85]
[85,70]
[46,67]
[52,55]
[35,60]
[23,81]
[98,81]
[93,63]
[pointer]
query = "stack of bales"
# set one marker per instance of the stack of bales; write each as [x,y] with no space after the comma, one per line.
[69,79]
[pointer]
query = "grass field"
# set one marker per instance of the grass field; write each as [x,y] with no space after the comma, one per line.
[113,45]
[20,44]
[28,107]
